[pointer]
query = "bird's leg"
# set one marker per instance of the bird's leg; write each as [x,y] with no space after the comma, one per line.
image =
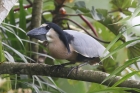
[58,67]
[76,67]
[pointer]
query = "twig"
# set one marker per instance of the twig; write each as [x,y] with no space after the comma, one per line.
[27,6]
[30,2]
[84,19]
[89,24]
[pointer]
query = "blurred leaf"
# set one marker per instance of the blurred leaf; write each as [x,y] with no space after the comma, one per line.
[7,84]
[79,87]
[12,18]
[29,41]
[109,64]
[12,32]
[135,13]
[119,47]
[22,22]
[104,12]
[133,51]
[38,80]
[18,53]
[96,15]
[2,57]
[36,89]
[9,57]
[122,21]
[45,55]
[11,25]
[125,78]
[127,12]
[109,21]
[123,5]
[127,3]
[44,80]
[72,82]
[49,5]
[80,5]
[94,87]
[88,15]
[121,68]
[111,44]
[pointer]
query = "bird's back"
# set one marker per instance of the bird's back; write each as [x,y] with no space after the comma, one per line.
[86,45]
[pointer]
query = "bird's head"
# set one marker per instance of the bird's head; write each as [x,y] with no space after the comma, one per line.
[49,32]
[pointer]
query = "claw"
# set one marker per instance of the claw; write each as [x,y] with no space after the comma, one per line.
[76,67]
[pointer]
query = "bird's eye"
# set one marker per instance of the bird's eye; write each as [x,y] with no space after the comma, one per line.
[47,27]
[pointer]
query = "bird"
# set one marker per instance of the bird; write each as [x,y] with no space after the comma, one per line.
[70,45]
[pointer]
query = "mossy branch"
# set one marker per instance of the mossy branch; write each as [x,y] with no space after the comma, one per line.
[47,70]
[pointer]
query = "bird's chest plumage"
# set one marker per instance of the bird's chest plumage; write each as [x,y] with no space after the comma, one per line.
[59,51]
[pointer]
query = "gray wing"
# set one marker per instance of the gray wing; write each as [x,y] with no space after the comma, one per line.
[86,45]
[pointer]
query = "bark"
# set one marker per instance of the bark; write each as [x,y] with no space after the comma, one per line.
[36,22]
[36,13]
[47,70]
[5,7]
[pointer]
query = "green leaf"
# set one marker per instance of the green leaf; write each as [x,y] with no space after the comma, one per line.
[18,53]
[136,12]
[127,12]
[41,54]
[2,57]
[95,87]
[127,3]
[125,78]
[80,4]
[119,69]
[119,47]
[9,57]
[22,20]
[111,44]
[96,15]
[14,27]
[13,32]
[22,17]
[104,12]
[12,18]
[123,20]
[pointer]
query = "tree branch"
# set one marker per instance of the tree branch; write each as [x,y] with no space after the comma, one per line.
[36,22]
[47,70]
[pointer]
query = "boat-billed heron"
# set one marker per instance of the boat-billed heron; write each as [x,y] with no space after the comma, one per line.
[68,44]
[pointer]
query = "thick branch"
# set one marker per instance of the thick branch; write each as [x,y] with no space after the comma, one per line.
[36,22]
[47,70]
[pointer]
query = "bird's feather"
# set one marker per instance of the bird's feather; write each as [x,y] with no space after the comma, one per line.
[86,45]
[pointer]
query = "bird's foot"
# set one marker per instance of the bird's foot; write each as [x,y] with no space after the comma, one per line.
[76,67]
[72,68]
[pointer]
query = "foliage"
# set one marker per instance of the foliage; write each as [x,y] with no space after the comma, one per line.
[111,25]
